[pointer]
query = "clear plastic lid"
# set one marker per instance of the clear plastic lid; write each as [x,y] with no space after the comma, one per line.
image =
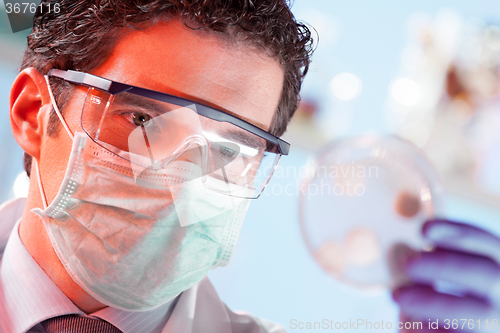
[365,198]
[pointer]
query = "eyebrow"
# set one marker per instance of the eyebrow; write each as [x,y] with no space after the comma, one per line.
[159,86]
[144,103]
[241,135]
[244,138]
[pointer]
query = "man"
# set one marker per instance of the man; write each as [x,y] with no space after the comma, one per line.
[146,125]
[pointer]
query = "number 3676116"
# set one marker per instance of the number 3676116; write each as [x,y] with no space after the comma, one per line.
[27,8]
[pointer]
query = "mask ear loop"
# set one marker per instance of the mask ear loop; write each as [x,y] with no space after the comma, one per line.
[40,186]
[59,115]
[56,109]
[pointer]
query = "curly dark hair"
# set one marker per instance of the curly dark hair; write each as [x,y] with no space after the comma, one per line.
[83,33]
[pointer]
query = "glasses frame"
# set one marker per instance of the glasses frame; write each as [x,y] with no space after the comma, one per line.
[114,88]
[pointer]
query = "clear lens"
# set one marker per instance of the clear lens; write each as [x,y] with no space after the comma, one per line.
[153,133]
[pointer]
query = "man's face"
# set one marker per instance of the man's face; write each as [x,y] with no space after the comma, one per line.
[174,59]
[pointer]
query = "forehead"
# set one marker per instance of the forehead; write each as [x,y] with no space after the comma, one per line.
[197,65]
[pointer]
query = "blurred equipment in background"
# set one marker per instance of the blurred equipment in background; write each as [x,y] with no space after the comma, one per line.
[446,99]
[303,130]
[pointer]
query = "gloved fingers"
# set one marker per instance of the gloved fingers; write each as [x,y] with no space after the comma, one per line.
[469,273]
[463,238]
[423,303]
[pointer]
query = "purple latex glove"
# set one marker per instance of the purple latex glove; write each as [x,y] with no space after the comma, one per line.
[465,263]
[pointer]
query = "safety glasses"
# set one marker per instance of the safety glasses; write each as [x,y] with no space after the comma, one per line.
[154,128]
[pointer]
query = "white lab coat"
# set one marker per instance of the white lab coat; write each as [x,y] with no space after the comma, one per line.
[199,309]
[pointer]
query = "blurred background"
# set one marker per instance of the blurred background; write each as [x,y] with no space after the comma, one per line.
[427,71]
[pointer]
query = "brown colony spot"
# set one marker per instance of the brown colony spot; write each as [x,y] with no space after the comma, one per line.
[407,204]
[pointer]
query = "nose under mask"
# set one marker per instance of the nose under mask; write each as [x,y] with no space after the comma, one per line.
[134,241]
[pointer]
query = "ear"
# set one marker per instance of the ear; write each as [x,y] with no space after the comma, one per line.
[30,105]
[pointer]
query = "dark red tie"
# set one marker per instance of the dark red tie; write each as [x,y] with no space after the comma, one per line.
[78,324]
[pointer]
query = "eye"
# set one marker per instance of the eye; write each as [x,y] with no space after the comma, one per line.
[141,119]
[227,151]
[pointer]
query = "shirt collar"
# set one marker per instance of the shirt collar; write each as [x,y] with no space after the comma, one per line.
[30,296]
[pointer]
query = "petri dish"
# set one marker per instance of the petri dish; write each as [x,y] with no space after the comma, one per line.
[363,200]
